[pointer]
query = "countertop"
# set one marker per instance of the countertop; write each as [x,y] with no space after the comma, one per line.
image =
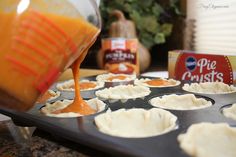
[16,141]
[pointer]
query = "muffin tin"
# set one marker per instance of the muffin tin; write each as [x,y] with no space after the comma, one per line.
[82,130]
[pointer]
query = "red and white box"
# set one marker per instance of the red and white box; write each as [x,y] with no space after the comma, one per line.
[200,67]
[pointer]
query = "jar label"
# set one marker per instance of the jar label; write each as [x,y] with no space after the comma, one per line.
[120,55]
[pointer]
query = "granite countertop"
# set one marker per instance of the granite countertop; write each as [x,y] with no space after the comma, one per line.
[18,141]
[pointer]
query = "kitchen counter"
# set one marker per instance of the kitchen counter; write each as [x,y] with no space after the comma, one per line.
[18,141]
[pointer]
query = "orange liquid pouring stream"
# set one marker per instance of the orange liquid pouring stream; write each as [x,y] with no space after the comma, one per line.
[78,105]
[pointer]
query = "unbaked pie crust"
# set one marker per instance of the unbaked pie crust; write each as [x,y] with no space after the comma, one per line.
[105,77]
[180,102]
[66,86]
[209,140]
[143,81]
[48,110]
[230,112]
[209,88]
[136,122]
[123,92]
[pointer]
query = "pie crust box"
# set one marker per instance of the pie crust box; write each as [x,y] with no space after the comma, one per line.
[199,67]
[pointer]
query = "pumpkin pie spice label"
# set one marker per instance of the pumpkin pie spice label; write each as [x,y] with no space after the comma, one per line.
[120,55]
[184,65]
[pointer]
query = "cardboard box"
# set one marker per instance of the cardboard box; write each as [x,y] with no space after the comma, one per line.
[199,67]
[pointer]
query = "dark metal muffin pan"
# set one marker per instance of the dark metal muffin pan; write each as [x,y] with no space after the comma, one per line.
[82,130]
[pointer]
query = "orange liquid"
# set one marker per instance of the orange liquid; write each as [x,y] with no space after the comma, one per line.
[158,82]
[87,85]
[78,105]
[120,77]
[116,70]
[84,85]
[34,48]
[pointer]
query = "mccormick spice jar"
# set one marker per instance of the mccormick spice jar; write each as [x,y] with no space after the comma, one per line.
[200,67]
[120,55]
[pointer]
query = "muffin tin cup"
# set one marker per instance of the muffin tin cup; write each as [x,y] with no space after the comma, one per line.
[83,130]
[197,96]
[86,94]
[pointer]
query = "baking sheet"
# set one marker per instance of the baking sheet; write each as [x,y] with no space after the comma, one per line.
[82,130]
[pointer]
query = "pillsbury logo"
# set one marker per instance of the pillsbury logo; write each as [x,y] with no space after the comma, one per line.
[191,63]
[204,68]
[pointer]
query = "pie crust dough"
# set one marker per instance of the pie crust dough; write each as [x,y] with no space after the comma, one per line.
[95,103]
[136,122]
[123,92]
[66,86]
[143,81]
[180,102]
[209,88]
[209,140]
[230,112]
[104,77]
[53,94]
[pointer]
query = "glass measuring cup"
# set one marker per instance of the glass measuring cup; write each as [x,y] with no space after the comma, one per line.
[39,39]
